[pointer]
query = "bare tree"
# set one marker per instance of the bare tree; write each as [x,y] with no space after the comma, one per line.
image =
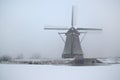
[36,56]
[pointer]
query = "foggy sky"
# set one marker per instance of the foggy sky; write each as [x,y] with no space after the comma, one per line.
[22,23]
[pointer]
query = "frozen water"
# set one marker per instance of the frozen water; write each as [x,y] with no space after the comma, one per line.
[51,72]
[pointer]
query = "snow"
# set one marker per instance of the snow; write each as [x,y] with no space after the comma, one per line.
[109,60]
[52,72]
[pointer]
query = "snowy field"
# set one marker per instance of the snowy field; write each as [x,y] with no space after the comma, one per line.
[51,72]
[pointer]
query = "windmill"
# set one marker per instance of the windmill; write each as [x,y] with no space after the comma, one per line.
[72,48]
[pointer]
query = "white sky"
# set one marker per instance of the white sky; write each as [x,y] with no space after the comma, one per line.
[22,23]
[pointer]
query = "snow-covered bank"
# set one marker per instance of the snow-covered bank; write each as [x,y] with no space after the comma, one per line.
[113,60]
[50,72]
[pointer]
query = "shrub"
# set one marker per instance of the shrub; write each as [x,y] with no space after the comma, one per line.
[5,58]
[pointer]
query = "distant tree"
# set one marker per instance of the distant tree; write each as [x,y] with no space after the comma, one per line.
[19,56]
[36,56]
[5,58]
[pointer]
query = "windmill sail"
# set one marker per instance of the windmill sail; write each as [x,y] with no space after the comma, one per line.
[72,18]
[56,28]
[52,27]
[89,29]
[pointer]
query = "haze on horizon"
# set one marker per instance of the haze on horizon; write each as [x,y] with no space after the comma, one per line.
[22,26]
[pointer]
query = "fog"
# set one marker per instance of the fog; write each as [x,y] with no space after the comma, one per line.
[22,26]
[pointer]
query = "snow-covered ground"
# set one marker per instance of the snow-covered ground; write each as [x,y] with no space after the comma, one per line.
[51,72]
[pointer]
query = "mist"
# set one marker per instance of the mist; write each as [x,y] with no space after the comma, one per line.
[22,26]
